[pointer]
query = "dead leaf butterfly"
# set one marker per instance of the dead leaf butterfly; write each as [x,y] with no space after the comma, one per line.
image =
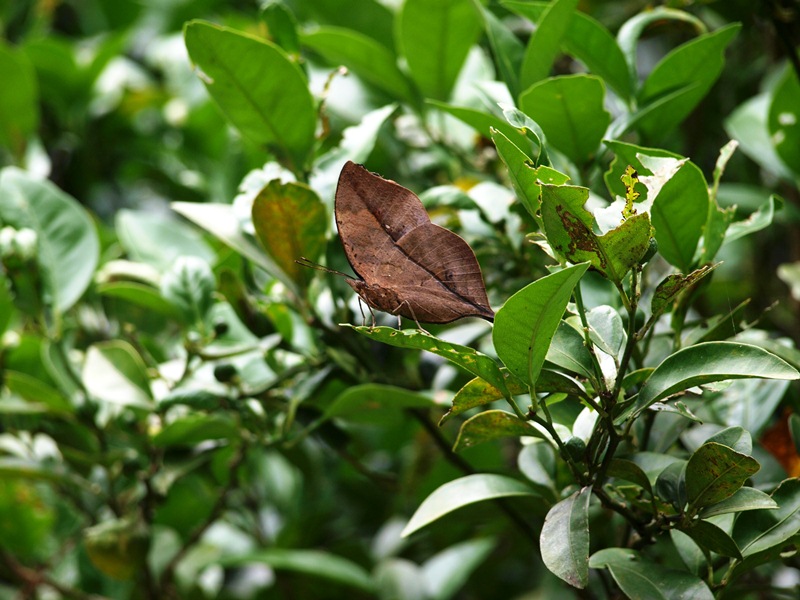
[406,265]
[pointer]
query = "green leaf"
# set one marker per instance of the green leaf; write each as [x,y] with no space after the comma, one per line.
[139,294]
[19,103]
[570,111]
[492,425]
[606,330]
[532,131]
[631,31]
[435,37]
[758,220]
[371,402]
[114,372]
[372,18]
[309,563]
[628,154]
[668,290]
[588,41]
[357,143]
[371,61]
[221,221]
[67,244]
[712,538]
[629,471]
[735,438]
[537,462]
[189,285]
[678,407]
[641,579]
[564,542]
[507,50]
[28,519]
[748,126]
[568,350]
[526,324]
[118,547]
[636,378]
[12,467]
[158,240]
[398,578]
[447,571]
[258,88]
[784,120]
[7,310]
[571,231]
[724,157]
[467,358]
[679,212]
[671,484]
[654,463]
[281,25]
[709,362]
[717,225]
[714,472]
[481,121]
[290,222]
[696,65]
[525,177]
[745,498]
[545,42]
[463,492]
[761,530]
[691,554]
[197,399]
[35,392]
[479,392]
[196,428]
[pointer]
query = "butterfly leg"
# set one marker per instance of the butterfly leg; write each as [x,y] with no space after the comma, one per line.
[420,327]
[363,316]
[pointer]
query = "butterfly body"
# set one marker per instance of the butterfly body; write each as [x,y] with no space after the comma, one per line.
[407,265]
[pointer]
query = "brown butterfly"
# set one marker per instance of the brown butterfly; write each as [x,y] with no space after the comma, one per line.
[406,265]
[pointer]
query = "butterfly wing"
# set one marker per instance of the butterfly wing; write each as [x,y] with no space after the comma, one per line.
[371,214]
[448,271]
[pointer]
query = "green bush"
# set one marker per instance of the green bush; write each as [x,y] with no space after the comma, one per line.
[187,411]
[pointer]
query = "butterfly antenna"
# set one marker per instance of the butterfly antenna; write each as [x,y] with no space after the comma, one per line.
[304,262]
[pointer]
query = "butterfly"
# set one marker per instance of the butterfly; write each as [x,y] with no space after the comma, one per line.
[406,265]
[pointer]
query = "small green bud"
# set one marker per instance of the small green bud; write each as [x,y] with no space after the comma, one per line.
[576,448]
[225,373]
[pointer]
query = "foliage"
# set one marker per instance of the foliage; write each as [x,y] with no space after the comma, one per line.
[181,413]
